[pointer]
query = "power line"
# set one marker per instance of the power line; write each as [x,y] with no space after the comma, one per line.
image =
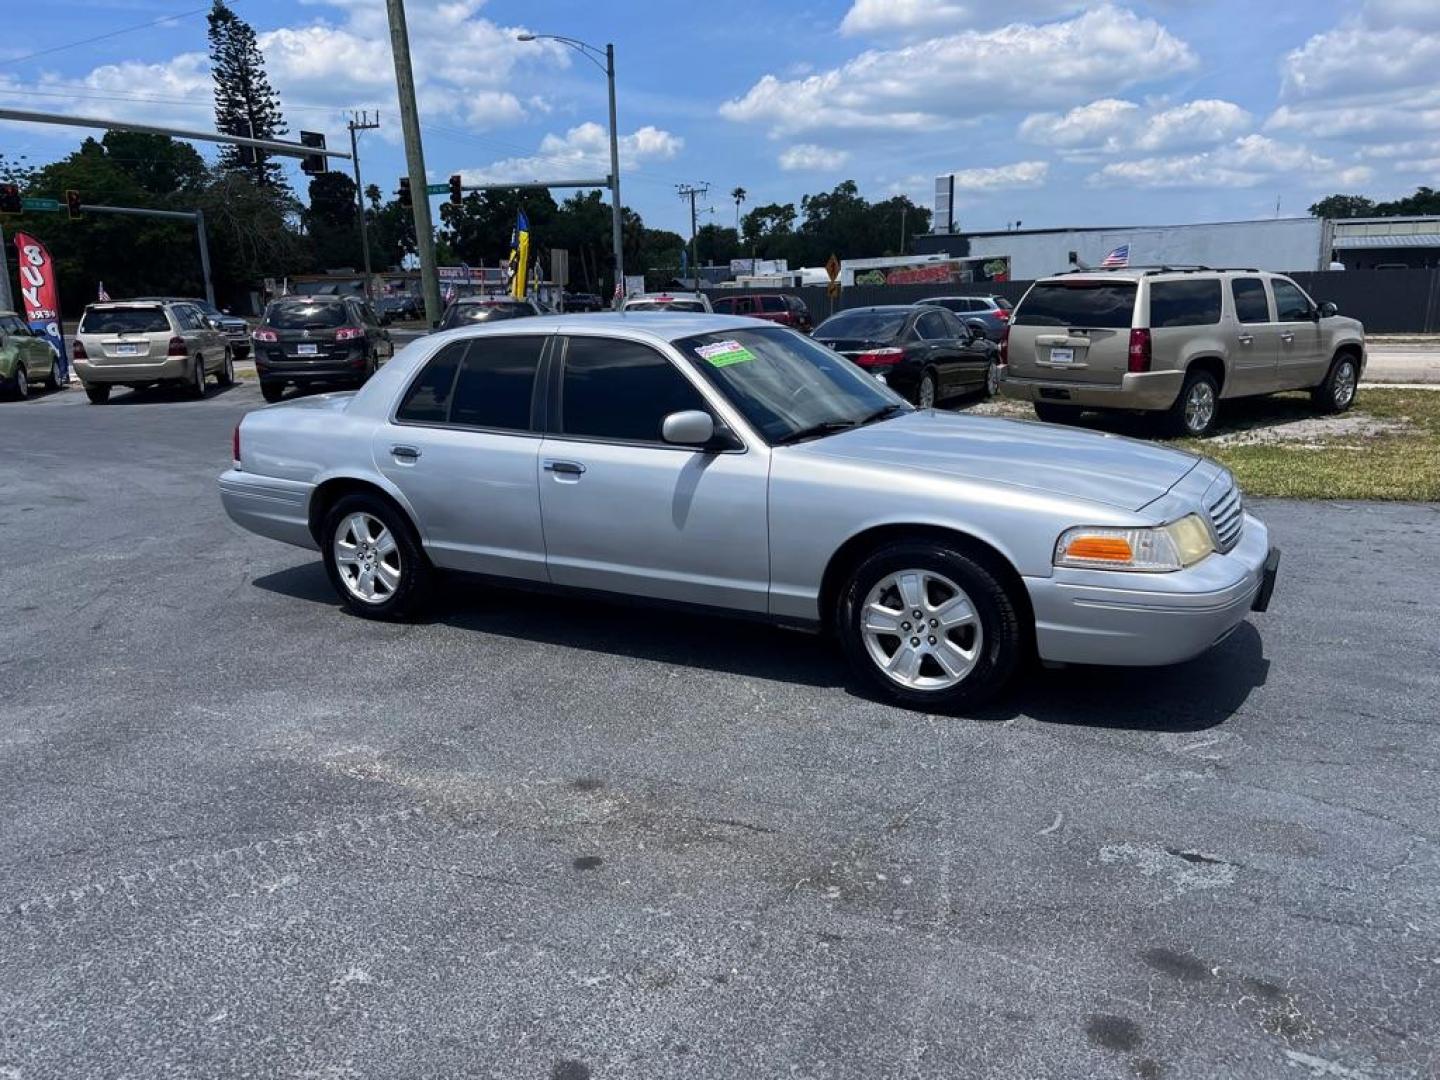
[111,34]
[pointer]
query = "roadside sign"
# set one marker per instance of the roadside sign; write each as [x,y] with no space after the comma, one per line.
[437,189]
[832,267]
[48,206]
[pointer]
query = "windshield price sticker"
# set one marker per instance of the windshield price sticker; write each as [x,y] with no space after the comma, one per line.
[725,353]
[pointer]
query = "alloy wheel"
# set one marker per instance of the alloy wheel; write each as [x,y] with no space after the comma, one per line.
[1344,391]
[921,630]
[1199,407]
[927,391]
[368,558]
[22,383]
[992,379]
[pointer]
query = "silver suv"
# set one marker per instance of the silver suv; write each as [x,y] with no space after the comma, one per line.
[139,343]
[1176,341]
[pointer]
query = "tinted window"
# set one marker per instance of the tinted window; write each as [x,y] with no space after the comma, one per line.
[665,305]
[300,315]
[124,321]
[1291,304]
[931,326]
[1003,304]
[428,399]
[496,382]
[1102,304]
[726,305]
[465,314]
[772,303]
[1185,303]
[862,324]
[1251,305]
[621,390]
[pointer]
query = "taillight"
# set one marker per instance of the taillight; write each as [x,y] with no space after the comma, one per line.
[879,357]
[262,334]
[1005,344]
[1139,349]
[78,352]
[177,347]
[1002,314]
[235,445]
[349,333]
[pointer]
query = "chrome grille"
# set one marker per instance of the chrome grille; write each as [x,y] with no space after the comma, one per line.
[1227,515]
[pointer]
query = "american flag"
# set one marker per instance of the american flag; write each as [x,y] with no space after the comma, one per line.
[102,296]
[1120,256]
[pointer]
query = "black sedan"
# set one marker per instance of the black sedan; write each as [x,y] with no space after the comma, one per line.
[318,340]
[922,352]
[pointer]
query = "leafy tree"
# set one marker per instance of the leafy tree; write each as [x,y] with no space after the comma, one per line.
[1343,206]
[159,164]
[1424,201]
[245,103]
[330,218]
[738,195]
[767,231]
[716,245]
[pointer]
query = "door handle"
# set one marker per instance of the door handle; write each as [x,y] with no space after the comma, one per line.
[409,453]
[1246,339]
[565,468]
[1287,337]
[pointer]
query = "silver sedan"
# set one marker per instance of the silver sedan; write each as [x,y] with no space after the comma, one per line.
[737,466]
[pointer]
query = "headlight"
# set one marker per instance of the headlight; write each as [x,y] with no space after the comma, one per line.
[1151,550]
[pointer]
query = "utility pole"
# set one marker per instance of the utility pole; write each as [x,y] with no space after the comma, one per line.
[691,192]
[617,211]
[361,122]
[414,159]
[903,207]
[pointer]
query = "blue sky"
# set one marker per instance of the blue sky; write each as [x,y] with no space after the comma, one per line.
[1052,112]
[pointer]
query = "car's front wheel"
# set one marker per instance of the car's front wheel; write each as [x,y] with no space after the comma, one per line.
[373,558]
[1337,392]
[22,382]
[930,626]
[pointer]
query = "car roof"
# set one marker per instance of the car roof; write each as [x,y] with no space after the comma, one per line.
[307,298]
[662,326]
[896,308]
[958,296]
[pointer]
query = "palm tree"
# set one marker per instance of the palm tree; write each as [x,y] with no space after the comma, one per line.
[739,196]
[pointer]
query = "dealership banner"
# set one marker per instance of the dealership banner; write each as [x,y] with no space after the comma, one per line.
[40,295]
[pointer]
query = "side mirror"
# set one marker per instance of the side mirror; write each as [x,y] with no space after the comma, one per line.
[1328,308]
[689,428]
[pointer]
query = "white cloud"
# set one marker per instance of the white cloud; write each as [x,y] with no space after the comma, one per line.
[937,81]
[1022,174]
[1111,125]
[912,16]
[808,156]
[1245,162]
[581,153]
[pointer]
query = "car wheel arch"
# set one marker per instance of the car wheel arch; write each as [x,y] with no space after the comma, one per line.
[332,489]
[1213,366]
[861,545]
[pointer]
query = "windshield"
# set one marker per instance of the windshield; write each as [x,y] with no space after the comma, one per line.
[1101,304]
[134,320]
[784,383]
[464,314]
[862,325]
[665,305]
[303,316]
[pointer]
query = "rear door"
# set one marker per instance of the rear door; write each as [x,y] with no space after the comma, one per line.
[1073,331]
[626,512]
[1302,361]
[773,309]
[1257,340]
[462,448]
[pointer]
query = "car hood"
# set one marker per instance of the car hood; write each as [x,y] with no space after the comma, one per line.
[1086,465]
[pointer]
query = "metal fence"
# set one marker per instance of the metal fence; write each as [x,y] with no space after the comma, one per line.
[1386,301]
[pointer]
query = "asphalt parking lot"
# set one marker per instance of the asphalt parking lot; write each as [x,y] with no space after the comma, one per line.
[245,834]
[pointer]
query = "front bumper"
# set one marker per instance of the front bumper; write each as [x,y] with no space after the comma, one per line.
[279,509]
[1146,390]
[169,367]
[1144,620]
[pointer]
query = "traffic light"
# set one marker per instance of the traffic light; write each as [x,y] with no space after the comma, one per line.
[72,203]
[456,195]
[404,193]
[312,163]
[10,199]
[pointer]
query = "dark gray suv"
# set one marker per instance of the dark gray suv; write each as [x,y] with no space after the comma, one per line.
[988,314]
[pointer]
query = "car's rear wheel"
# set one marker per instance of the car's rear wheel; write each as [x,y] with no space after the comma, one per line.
[373,558]
[22,382]
[925,393]
[1193,413]
[930,626]
[98,393]
[227,370]
[196,385]
[272,391]
[1337,392]
[992,379]
[1051,413]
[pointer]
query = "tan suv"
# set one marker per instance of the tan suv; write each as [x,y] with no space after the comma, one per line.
[1176,341]
[140,343]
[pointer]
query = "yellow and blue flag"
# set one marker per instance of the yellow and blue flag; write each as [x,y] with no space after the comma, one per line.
[519,256]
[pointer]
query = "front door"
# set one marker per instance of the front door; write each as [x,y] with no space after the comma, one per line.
[1257,340]
[462,448]
[1303,362]
[626,512]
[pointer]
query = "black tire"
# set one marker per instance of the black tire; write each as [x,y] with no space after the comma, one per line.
[992,379]
[928,383]
[415,573]
[195,385]
[21,385]
[272,391]
[1337,393]
[98,393]
[1002,637]
[226,377]
[1051,413]
[53,381]
[1186,422]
